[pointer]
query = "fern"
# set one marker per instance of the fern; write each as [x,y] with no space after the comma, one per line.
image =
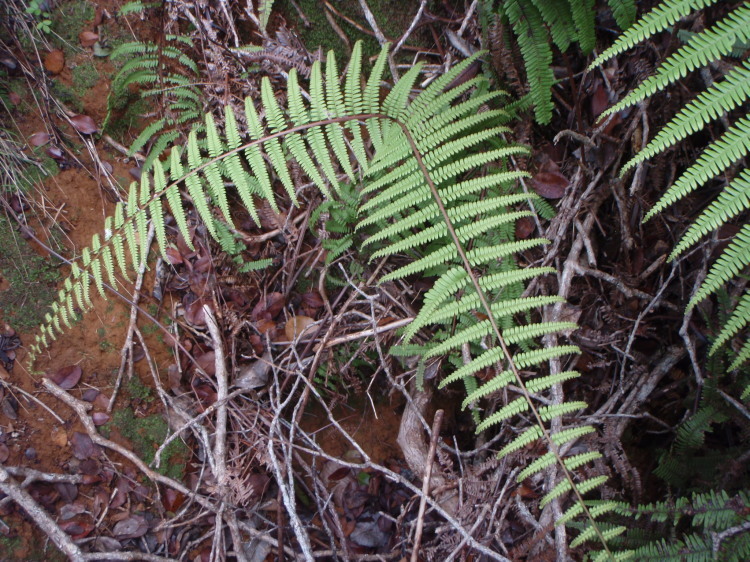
[458,229]
[538,23]
[725,95]
[173,73]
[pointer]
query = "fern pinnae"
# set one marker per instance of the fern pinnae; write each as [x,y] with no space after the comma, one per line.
[663,16]
[371,98]
[730,147]
[730,263]
[737,321]
[297,143]
[721,97]
[495,384]
[733,200]
[234,167]
[335,105]
[254,156]
[705,47]
[272,145]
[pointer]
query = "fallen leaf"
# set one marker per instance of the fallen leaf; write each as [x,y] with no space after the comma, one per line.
[599,101]
[550,185]
[70,510]
[54,61]
[524,228]
[67,490]
[9,407]
[39,139]
[83,124]
[172,499]
[67,377]
[83,446]
[4,452]
[88,38]
[269,307]
[54,152]
[100,418]
[98,17]
[312,299]
[14,98]
[131,528]
[207,362]
[4,375]
[296,326]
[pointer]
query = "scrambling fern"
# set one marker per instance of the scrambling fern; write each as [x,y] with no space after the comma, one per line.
[164,73]
[731,92]
[538,23]
[440,203]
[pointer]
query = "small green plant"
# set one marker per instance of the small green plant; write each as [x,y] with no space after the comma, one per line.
[85,77]
[37,9]
[147,434]
[30,278]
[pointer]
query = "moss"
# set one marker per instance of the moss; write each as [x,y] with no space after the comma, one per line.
[139,391]
[70,19]
[31,281]
[146,435]
[67,96]
[393,18]
[85,77]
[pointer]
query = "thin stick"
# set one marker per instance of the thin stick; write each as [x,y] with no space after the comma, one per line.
[436,423]
[220,439]
[382,40]
[126,353]
[81,408]
[412,25]
[40,517]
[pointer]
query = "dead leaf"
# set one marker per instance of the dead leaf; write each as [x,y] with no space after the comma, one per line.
[4,375]
[67,490]
[83,446]
[255,374]
[98,17]
[67,377]
[172,500]
[599,101]
[550,185]
[14,98]
[100,418]
[39,139]
[54,152]
[131,528]
[269,307]
[88,38]
[207,362]
[524,228]
[4,452]
[312,299]
[9,407]
[54,61]
[70,510]
[296,326]
[83,124]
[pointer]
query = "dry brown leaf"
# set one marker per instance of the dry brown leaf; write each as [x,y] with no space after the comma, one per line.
[54,61]
[88,38]
[296,326]
[83,124]
[39,139]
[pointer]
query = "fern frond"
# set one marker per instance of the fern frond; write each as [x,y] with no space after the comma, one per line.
[532,38]
[721,97]
[730,147]
[729,264]
[703,48]
[663,16]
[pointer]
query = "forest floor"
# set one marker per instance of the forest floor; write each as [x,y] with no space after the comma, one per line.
[628,300]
